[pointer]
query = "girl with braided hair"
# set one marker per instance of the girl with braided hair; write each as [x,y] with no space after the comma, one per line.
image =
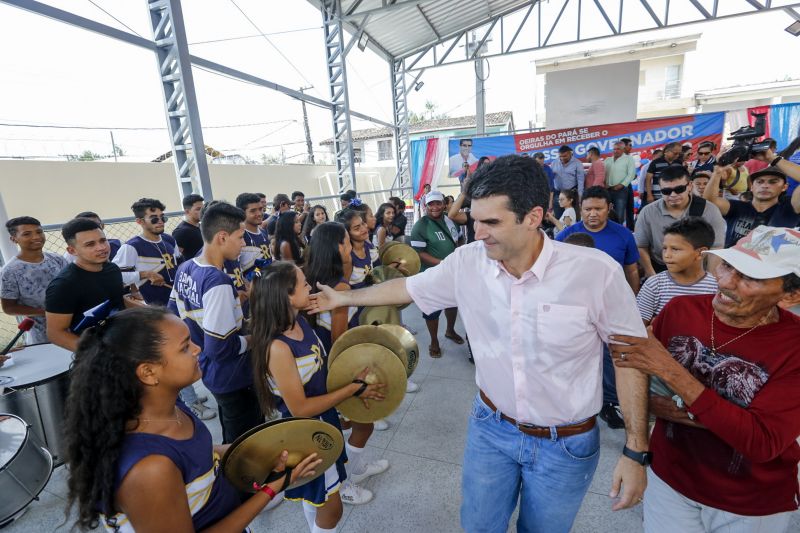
[138,458]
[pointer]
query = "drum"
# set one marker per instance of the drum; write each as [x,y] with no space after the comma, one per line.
[25,467]
[38,392]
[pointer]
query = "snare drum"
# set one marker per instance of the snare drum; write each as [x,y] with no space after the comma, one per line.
[25,467]
[38,392]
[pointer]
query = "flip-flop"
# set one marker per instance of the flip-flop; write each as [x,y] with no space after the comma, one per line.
[455,337]
[436,353]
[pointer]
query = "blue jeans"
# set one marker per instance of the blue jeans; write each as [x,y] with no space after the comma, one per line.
[549,476]
[609,378]
[619,199]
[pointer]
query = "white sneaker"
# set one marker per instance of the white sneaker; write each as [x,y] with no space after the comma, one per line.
[379,466]
[201,411]
[411,387]
[273,503]
[380,425]
[352,494]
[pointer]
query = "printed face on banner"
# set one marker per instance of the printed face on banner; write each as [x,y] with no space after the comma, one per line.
[647,135]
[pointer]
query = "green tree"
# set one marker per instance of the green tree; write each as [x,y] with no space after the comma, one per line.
[430,113]
[88,155]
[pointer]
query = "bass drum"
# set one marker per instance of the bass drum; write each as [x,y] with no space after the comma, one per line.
[25,467]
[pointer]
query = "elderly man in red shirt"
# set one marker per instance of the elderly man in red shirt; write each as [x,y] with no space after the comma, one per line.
[725,452]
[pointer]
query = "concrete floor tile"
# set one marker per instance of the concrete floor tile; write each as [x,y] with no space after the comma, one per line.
[415,495]
[435,425]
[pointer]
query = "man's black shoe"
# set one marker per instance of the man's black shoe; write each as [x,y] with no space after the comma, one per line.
[610,414]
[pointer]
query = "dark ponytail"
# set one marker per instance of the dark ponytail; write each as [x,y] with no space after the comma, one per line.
[271,314]
[104,397]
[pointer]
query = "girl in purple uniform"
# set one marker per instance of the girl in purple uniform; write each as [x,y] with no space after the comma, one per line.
[291,370]
[138,459]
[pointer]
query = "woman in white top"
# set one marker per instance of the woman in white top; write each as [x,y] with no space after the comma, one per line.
[568,200]
[385,217]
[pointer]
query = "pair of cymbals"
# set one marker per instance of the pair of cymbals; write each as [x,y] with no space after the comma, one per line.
[401,253]
[251,458]
[367,334]
[380,314]
[384,367]
[379,275]
[409,344]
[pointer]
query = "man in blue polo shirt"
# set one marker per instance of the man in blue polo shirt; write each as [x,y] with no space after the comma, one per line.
[617,241]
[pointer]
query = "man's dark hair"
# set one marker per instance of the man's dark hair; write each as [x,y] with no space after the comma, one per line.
[626,141]
[351,192]
[596,192]
[220,216]
[656,152]
[580,239]
[295,194]
[462,141]
[247,198]
[345,197]
[696,231]
[15,223]
[674,173]
[261,195]
[706,144]
[75,226]
[564,149]
[280,199]
[594,150]
[521,179]
[141,206]
[190,199]
[671,146]
[538,155]
[87,214]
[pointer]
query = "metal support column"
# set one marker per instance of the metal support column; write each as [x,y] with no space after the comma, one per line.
[400,110]
[183,118]
[337,82]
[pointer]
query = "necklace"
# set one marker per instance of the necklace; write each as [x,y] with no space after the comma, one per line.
[164,258]
[177,418]
[715,349]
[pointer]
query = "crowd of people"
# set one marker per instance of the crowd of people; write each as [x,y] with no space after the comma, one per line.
[250,302]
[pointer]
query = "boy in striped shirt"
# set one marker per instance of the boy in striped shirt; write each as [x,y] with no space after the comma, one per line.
[684,244]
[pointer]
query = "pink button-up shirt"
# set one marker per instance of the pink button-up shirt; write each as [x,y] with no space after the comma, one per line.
[537,340]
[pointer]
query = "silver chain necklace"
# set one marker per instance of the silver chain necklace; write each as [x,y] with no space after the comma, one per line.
[715,349]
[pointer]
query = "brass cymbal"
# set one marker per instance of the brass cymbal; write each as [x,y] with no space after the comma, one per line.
[403,253]
[385,367]
[388,244]
[383,273]
[362,334]
[380,314]
[409,345]
[251,457]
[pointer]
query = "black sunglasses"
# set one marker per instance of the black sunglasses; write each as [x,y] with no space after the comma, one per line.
[703,153]
[667,191]
[155,218]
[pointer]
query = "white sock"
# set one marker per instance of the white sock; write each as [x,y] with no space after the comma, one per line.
[311,515]
[318,529]
[355,459]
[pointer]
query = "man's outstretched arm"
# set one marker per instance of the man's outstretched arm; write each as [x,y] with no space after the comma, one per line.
[391,292]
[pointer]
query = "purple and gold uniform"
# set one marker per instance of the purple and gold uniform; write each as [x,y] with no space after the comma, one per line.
[139,255]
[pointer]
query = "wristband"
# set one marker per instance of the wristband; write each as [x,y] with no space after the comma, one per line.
[776,161]
[266,489]
[361,389]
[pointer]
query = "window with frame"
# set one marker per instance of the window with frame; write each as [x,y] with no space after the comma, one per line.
[672,82]
[385,150]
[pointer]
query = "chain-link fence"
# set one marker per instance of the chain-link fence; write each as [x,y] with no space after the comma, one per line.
[126,228]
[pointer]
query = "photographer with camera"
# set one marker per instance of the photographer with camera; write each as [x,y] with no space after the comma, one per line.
[767,206]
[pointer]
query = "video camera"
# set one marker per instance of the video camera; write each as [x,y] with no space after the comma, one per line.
[743,139]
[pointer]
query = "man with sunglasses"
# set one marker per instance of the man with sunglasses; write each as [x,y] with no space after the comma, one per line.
[705,158]
[676,203]
[149,260]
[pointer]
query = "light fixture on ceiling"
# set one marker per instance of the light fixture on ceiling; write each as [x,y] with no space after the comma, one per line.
[363,40]
[673,45]
[418,85]
[794,28]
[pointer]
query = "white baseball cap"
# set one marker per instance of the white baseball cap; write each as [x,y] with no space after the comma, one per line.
[765,253]
[434,196]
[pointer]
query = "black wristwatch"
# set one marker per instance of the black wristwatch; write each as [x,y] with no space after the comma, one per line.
[776,161]
[643,458]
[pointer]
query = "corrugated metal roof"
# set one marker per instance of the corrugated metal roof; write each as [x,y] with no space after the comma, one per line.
[408,25]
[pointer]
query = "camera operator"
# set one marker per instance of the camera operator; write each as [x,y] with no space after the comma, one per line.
[767,207]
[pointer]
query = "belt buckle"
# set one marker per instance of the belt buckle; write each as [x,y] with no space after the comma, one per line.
[530,427]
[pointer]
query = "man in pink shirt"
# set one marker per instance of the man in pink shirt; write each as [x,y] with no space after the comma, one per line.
[596,175]
[537,325]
